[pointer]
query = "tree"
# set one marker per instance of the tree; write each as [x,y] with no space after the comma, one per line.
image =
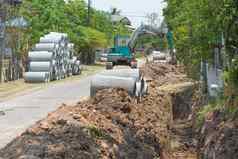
[56,15]
[198,26]
[153,19]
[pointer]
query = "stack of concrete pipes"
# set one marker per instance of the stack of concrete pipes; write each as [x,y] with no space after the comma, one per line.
[52,59]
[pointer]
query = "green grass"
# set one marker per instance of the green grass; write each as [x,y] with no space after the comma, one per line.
[228,112]
[97,133]
[201,115]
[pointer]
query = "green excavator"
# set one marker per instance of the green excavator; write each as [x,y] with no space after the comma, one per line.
[129,79]
[123,51]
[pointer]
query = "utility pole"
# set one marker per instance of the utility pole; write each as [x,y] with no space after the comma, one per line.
[89,13]
[2,36]
[88,58]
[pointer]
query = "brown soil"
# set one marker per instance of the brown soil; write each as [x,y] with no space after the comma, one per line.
[163,74]
[218,138]
[111,125]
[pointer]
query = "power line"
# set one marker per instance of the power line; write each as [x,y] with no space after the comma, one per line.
[136,16]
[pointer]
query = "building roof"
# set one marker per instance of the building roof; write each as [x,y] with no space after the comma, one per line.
[120,19]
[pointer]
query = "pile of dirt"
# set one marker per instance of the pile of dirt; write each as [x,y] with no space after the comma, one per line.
[111,125]
[185,96]
[163,74]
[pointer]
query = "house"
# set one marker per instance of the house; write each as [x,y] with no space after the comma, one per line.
[115,18]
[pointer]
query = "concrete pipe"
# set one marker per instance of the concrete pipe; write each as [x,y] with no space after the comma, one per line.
[102,82]
[141,88]
[54,63]
[36,77]
[138,89]
[62,35]
[51,39]
[134,73]
[145,89]
[59,34]
[51,47]
[62,73]
[73,60]
[41,56]
[61,52]
[77,63]
[54,75]
[41,67]
[159,56]
[70,46]
[57,75]
[75,70]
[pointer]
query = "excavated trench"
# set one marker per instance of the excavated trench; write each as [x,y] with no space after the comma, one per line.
[114,125]
[182,140]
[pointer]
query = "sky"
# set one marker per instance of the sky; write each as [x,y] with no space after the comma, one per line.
[135,10]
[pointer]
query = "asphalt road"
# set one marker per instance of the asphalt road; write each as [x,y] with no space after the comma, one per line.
[23,111]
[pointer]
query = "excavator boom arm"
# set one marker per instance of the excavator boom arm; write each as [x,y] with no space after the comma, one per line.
[143,29]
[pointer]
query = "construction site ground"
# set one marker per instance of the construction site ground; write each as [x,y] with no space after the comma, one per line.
[115,125]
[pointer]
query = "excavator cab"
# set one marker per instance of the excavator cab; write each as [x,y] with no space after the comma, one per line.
[123,50]
[120,53]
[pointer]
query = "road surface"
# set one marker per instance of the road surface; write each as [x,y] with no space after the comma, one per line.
[23,111]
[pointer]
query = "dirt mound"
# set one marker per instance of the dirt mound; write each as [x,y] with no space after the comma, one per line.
[111,125]
[163,74]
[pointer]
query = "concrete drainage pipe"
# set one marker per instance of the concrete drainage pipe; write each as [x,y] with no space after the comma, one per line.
[133,73]
[41,67]
[51,47]
[102,82]
[36,77]
[41,56]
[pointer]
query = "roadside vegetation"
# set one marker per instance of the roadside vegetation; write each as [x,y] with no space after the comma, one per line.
[200,26]
[44,16]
